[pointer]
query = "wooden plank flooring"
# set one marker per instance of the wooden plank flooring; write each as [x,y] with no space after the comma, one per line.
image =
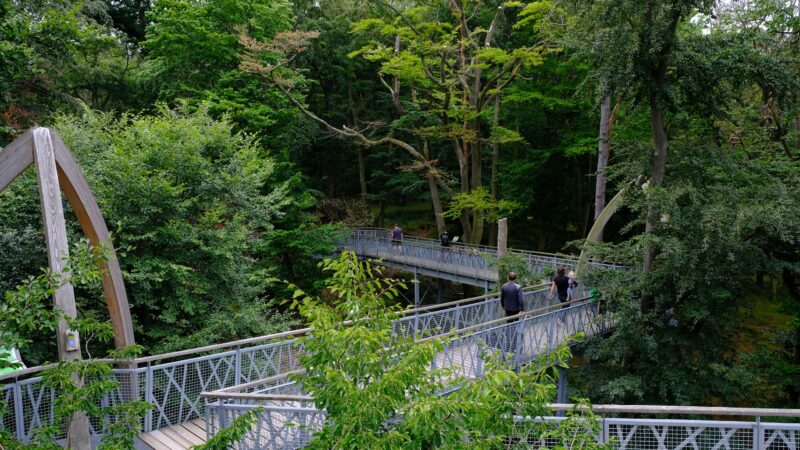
[176,437]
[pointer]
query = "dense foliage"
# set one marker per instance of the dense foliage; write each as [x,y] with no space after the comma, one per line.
[379,391]
[220,136]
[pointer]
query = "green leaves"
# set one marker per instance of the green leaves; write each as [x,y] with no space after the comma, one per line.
[195,202]
[480,200]
[379,391]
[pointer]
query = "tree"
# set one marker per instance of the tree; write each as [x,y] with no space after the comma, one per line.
[641,38]
[194,202]
[378,389]
[452,62]
[80,385]
[55,55]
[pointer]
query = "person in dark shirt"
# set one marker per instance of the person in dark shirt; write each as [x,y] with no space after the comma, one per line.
[397,238]
[560,284]
[511,300]
[511,296]
[444,239]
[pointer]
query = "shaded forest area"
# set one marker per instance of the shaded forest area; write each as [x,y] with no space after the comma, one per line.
[227,141]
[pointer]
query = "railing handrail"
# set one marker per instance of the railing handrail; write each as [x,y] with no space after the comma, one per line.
[483,325]
[601,409]
[456,245]
[688,410]
[252,340]
[434,243]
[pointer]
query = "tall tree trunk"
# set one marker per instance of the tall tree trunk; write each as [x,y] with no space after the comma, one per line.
[381,213]
[463,171]
[434,190]
[495,159]
[797,130]
[362,174]
[476,181]
[658,171]
[603,152]
[362,169]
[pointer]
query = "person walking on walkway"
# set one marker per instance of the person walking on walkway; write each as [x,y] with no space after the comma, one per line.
[560,284]
[396,236]
[444,241]
[512,302]
[572,283]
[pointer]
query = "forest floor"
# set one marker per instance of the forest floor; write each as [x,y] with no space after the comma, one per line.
[762,319]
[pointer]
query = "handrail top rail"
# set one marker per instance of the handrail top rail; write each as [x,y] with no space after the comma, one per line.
[248,341]
[466,330]
[602,408]
[433,243]
[467,245]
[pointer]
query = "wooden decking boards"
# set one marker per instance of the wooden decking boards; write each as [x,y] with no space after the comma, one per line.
[176,437]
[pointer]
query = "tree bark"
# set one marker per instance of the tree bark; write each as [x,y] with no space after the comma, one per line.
[434,190]
[603,152]
[362,169]
[495,159]
[658,171]
[362,174]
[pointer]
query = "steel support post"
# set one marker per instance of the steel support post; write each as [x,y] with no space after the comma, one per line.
[19,412]
[757,438]
[148,392]
[238,364]
[416,288]
[561,394]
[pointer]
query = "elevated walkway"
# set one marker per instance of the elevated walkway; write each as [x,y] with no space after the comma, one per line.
[172,382]
[470,264]
[463,353]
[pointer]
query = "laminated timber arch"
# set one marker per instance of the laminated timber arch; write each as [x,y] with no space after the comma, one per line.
[57,171]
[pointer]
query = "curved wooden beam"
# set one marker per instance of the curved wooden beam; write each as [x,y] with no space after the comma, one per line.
[15,158]
[597,229]
[79,195]
[18,156]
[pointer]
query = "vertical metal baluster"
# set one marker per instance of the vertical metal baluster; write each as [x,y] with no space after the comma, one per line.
[757,434]
[150,398]
[238,363]
[19,412]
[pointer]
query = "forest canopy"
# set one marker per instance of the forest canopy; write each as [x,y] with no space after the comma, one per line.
[228,142]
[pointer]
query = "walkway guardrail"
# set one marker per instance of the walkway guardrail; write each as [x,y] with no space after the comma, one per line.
[172,382]
[274,428]
[522,338]
[469,261]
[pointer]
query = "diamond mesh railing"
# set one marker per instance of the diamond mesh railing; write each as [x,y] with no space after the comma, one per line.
[174,387]
[521,338]
[470,261]
[286,423]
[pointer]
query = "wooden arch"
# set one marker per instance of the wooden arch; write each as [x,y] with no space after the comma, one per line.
[56,171]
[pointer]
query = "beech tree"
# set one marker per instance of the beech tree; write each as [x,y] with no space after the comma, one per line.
[444,67]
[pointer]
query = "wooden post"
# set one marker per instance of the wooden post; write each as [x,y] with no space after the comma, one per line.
[57,254]
[502,237]
[502,247]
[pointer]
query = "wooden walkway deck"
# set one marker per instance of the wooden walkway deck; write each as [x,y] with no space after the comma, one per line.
[177,437]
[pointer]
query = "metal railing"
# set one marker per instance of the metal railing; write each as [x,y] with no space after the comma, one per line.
[521,339]
[288,423]
[466,260]
[172,382]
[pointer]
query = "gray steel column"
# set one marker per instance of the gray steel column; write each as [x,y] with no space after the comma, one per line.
[561,393]
[416,288]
